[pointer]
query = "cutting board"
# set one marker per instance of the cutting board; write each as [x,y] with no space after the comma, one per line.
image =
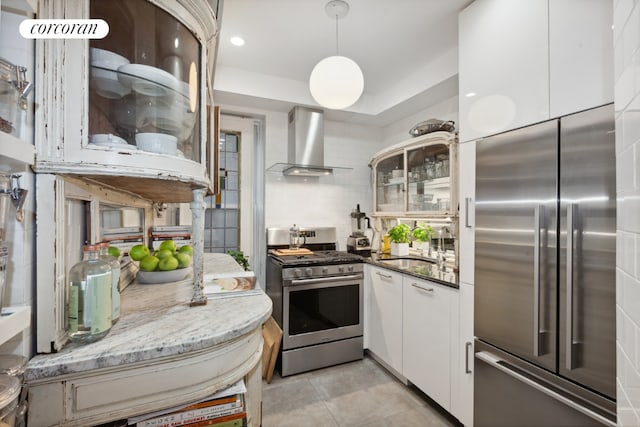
[300,251]
[272,335]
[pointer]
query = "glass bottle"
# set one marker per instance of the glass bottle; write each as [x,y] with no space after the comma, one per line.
[89,303]
[115,280]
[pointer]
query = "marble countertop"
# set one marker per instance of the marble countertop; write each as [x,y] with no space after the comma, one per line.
[157,321]
[426,269]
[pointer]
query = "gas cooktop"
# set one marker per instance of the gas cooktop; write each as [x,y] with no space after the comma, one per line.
[318,258]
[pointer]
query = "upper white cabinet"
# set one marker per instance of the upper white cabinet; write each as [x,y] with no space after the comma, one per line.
[130,110]
[580,55]
[417,177]
[503,66]
[524,62]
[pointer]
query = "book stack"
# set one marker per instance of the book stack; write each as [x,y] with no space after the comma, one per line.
[123,238]
[181,234]
[224,409]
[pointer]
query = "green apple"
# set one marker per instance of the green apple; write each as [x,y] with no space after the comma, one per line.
[184,259]
[149,263]
[168,244]
[168,263]
[138,252]
[163,253]
[186,249]
[114,252]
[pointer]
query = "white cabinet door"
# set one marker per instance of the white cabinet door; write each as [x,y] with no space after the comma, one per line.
[385,316]
[462,372]
[504,66]
[580,55]
[467,156]
[426,337]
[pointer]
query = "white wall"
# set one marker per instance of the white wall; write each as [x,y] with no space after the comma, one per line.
[399,131]
[328,201]
[627,103]
[324,201]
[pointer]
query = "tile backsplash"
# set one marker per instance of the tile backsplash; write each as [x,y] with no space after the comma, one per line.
[627,103]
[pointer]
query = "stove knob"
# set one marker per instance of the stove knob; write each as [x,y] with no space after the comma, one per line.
[297,272]
[325,270]
[350,268]
[341,269]
[309,271]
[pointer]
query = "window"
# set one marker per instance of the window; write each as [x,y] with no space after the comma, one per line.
[222,217]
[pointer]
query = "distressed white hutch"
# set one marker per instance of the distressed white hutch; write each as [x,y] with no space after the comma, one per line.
[151,76]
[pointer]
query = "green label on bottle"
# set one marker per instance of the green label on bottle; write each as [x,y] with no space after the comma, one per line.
[72,307]
[99,294]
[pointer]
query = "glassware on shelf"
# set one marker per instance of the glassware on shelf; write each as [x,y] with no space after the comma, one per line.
[14,89]
[115,280]
[89,300]
[146,82]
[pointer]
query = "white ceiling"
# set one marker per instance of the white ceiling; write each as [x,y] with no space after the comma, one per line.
[407,50]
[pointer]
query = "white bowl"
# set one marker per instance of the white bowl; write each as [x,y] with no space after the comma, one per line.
[104,75]
[107,59]
[156,277]
[157,143]
[171,115]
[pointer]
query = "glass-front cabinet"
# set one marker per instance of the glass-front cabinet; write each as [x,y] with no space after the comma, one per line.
[134,107]
[417,177]
[127,120]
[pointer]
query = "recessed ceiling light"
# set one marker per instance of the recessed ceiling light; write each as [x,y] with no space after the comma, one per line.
[470,94]
[237,41]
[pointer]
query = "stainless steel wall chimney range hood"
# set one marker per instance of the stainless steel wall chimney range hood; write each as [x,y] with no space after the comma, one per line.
[305,155]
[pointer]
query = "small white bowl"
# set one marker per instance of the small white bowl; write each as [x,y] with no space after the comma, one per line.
[107,59]
[157,143]
[157,277]
[103,73]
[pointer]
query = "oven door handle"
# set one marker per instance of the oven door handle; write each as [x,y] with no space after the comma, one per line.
[332,279]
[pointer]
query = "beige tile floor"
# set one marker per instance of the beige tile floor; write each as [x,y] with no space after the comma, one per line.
[356,394]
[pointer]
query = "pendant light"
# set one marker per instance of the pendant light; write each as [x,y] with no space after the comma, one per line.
[336,82]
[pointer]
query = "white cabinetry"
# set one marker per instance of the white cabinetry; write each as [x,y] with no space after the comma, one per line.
[504,66]
[580,55]
[385,316]
[462,371]
[417,177]
[429,328]
[524,62]
[467,152]
[462,384]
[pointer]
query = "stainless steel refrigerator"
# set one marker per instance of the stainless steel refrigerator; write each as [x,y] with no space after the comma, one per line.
[545,248]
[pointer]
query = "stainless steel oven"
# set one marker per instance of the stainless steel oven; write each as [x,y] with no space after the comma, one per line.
[317,301]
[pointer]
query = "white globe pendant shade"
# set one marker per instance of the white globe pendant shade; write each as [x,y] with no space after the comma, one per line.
[336,82]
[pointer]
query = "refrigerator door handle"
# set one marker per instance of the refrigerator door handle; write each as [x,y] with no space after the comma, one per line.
[504,366]
[571,209]
[538,219]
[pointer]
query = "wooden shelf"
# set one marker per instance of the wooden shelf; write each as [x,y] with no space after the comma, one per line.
[16,154]
[13,321]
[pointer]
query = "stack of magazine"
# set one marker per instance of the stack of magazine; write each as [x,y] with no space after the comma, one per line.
[223,409]
[230,284]
[123,238]
[181,234]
